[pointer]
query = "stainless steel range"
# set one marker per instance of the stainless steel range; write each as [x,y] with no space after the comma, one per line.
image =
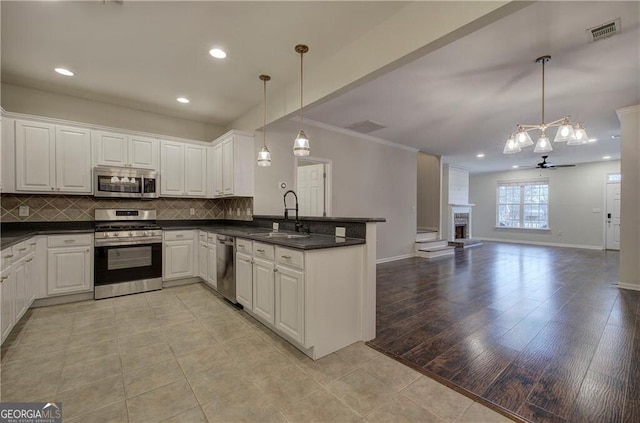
[128,252]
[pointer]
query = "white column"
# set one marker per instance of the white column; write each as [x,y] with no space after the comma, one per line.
[630,198]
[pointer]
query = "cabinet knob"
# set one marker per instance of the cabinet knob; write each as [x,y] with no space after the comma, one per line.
[275,270]
[58,189]
[52,188]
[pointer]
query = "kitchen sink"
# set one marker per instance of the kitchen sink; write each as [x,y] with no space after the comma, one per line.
[280,235]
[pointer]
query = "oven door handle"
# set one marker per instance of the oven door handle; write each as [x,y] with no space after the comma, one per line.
[118,243]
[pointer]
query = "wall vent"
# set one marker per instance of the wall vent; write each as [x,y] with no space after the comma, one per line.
[365,126]
[603,31]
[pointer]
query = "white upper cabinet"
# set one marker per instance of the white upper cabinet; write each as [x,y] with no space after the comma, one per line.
[73,159]
[183,169]
[234,164]
[52,158]
[122,150]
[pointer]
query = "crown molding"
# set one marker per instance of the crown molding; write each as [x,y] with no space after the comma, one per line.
[626,110]
[355,134]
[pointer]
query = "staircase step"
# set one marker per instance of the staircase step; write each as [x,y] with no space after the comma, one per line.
[436,252]
[426,236]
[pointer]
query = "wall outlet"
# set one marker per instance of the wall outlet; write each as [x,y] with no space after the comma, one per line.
[275,226]
[341,231]
[192,211]
[24,211]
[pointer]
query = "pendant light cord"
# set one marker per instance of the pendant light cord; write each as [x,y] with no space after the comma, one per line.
[543,60]
[264,124]
[301,86]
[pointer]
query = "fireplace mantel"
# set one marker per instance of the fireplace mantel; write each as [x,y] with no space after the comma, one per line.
[459,208]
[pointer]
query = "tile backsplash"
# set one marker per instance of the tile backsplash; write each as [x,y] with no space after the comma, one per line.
[57,208]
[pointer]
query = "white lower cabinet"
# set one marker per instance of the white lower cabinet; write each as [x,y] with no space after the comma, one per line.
[21,292]
[203,255]
[263,290]
[69,270]
[7,315]
[212,265]
[289,302]
[244,280]
[180,254]
[207,259]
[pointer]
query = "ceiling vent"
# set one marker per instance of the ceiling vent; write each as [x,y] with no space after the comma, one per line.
[605,30]
[365,127]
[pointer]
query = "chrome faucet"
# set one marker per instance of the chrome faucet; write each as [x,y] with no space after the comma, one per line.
[286,210]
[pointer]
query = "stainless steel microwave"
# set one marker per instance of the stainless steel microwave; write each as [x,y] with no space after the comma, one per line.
[126,182]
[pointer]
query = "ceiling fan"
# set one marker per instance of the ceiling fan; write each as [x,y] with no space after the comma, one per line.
[546,165]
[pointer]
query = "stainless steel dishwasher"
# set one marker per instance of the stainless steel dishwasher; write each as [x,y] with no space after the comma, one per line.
[226,271]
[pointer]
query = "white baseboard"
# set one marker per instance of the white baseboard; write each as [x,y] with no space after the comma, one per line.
[388,259]
[630,286]
[546,244]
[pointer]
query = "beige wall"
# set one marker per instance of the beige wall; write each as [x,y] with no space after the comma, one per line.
[369,180]
[630,199]
[428,192]
[31,101]
[574,193]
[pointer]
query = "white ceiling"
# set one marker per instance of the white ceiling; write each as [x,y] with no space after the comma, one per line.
[146,54]
[457,101]
[466,97]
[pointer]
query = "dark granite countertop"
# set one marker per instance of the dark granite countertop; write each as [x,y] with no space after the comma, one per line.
[325,219]
[14,233]
[312,242]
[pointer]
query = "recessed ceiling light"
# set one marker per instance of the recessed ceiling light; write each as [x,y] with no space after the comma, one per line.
[613,137]
[593,139]
[182,100]
[606,157]
[217,53]
[63,71]
[515,167]
[481,155]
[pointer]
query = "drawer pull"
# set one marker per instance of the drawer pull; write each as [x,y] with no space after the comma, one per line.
[275,270]
[286,257]
[33,244]
[8,256]
[260,251]
[22,249]
[5,277]
[69,241]
[247,261]
[29,261]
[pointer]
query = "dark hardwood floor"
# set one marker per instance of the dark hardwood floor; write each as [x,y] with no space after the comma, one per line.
[541,334]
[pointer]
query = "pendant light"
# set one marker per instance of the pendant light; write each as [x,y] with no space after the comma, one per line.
[566,131]
[301,144]
[264,156]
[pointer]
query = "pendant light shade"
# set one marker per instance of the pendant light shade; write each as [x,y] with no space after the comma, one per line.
[523,138]
[264,156]
[565,132]
[301,144]
[512,146]
[543,145]
[580,136]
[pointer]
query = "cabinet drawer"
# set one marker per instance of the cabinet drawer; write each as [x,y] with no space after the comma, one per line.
[211,238]
[20,250]
[244,246]
[178,235]
[202,235]
[289,257]
[69,240]
[8,257]
[263,250]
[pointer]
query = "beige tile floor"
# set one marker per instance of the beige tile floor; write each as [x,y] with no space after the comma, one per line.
[184,355]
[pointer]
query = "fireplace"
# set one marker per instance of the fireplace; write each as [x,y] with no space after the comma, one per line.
[460,221]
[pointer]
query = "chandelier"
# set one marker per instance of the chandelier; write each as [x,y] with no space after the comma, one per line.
[567,132]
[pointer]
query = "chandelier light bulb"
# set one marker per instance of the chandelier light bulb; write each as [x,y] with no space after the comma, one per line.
[511,146]
[264,157]
[543,145]
[580,136]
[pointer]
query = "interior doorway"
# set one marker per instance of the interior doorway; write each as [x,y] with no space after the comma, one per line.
[613,216]
[313,177]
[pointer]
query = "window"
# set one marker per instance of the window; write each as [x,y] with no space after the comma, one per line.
[523,204]
[614,177]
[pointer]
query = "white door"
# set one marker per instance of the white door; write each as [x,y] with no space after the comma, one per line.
[290,302]
[202,260]
[613,216]
[111,148]
[212,266]
[227,167]
[178,260]
[172,168]
[35,156]
[311,190]
[195,170]
[263,289]
[73,160]
[69,270]
[217,170]
[143,152]
[6,302]
[21,291]
[244,280]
